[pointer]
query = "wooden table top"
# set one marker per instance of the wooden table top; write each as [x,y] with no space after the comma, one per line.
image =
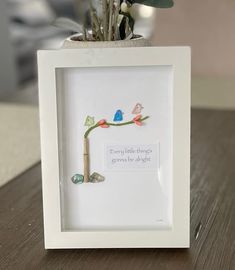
[212,214]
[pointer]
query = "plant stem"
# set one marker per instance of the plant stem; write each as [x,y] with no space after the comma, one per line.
[90,129]
[95,22]
[114,125]
[97,25]
[84,33]
[105,19]
[110,20]
[116,14]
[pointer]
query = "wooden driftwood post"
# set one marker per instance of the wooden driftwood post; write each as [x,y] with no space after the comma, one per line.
[86,160]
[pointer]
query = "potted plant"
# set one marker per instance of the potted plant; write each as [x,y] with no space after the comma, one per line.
[106,23]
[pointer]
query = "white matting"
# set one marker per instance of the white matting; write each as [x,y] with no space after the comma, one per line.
[19,140]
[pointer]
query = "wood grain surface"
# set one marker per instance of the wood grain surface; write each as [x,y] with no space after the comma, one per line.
[212,214]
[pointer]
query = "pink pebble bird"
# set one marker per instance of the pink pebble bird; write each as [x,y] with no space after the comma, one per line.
[137,109]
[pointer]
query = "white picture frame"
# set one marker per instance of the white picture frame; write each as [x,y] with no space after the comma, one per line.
[49,62]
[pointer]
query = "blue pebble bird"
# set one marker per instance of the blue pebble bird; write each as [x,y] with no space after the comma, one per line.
[118,117]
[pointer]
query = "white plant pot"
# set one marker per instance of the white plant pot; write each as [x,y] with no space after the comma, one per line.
[73,42]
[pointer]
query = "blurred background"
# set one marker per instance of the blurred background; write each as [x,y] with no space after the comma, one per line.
[26,26]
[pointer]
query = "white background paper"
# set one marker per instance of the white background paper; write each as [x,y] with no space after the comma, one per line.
[126,199]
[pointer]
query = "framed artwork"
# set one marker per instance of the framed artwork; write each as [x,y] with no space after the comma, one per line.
[115,146]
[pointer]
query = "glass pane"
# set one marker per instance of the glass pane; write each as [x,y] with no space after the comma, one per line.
[130,161]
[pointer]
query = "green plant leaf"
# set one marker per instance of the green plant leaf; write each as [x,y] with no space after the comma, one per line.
[154,3]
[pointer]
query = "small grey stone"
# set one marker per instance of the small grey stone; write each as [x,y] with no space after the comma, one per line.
[96,178]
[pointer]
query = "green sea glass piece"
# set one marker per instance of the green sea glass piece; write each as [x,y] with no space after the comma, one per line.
[90,121]
[78,179]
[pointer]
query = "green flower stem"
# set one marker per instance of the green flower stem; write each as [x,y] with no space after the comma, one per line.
[114,125]
[90,129]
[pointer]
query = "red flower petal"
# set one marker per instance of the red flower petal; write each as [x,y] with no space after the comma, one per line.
[101,122]
[138,117]
[104,126]
[138,123]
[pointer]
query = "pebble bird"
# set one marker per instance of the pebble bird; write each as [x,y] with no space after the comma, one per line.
[118,117]
[137,109]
